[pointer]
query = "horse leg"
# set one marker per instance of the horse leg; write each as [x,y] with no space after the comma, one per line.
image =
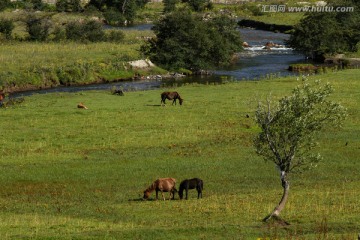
[172,192]
[199,191]
[174,101]
[162,194]
[157,194]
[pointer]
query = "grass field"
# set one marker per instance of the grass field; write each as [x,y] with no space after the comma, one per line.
[79,174]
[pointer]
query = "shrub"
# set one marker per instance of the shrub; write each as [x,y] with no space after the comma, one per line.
[38,28]
[38,5]
[69,6]
[6,27]
[4,4]
[88,31]
[169,5]
[59,34]
[114,17]
[199,5]
[115,36]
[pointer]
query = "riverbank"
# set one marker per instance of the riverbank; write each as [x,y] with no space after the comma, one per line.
[69,63]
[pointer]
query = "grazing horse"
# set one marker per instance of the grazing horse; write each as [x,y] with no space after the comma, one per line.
[118,92]
[171,96]
[162,185]
[191,184]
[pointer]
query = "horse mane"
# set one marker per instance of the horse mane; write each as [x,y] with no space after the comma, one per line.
[179,96]
[151,188]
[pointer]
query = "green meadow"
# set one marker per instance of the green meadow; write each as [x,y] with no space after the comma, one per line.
[71,173]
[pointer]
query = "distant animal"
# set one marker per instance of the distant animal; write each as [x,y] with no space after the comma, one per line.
[191,184]
[162,185]
[171,96]
[118,92]
[81,105]
[2,97]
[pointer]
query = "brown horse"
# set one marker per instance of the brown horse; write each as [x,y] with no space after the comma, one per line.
[162,185]
[171,96]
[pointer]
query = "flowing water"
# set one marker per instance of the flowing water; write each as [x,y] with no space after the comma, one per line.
[254,63]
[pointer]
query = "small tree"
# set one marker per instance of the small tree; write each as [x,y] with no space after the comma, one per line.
[289,128]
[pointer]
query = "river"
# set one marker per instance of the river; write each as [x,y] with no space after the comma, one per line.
[254,63]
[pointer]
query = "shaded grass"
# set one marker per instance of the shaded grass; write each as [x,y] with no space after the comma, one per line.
[79,174]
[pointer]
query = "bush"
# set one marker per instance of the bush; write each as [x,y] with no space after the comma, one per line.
[256,10]
[38,28]
[38,5]
[59,34]
[6,27]
[114,17]
[88,31]
[115,36]
[199,5]
[4,4]
[169,5]
[68,6]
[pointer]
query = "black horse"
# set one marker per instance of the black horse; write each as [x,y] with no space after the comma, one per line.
[171,96]
[191,184]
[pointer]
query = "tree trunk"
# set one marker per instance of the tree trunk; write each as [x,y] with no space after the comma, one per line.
[276,212]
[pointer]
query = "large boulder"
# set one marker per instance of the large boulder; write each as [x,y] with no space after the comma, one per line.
[143,63]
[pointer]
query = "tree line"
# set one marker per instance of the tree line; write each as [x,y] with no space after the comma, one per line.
[327,33]
[43,29]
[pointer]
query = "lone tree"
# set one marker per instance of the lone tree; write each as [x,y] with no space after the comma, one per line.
[289,128]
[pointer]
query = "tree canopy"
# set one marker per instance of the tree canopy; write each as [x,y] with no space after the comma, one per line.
[185,40]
